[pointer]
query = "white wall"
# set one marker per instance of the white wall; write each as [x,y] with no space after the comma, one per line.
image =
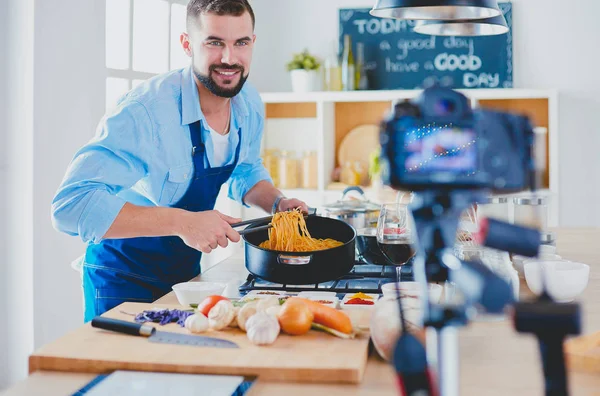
[69,102]
[3,182]
[555,46]
[16,227]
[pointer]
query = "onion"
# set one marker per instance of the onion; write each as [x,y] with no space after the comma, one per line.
[295,318]
[385,325]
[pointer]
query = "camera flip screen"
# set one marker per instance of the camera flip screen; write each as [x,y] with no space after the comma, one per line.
[440,148]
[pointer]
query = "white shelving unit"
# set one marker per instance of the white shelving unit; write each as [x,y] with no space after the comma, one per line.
[288,115]
[315,119]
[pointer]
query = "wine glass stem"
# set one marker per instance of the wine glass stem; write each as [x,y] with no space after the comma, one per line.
[399,273]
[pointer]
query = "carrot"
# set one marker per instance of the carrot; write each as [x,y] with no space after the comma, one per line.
[327,316]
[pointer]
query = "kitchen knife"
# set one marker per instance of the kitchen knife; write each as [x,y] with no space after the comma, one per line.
[163,337]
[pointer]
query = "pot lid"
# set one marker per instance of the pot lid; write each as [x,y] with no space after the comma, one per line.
[345,204]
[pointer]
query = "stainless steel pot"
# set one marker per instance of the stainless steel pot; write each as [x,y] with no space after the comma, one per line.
[359,213]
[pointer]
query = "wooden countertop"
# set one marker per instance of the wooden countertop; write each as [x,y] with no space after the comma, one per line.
[494,360]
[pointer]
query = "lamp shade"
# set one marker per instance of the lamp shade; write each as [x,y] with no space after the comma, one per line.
[436,9]
[478,27]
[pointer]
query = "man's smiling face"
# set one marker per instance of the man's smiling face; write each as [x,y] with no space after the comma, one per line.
[221,48]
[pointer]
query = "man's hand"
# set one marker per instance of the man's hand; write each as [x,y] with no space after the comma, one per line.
[292,203]
[204,231]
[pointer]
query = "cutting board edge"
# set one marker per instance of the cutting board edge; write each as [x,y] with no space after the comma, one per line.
[344,375]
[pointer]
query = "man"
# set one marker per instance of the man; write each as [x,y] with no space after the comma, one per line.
[141,193]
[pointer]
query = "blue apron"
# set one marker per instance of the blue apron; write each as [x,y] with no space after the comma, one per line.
[144,269]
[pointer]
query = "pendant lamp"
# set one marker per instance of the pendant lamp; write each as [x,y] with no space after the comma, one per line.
[478,27]
[436,9]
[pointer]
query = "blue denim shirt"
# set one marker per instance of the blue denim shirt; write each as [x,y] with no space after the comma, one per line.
[142,154]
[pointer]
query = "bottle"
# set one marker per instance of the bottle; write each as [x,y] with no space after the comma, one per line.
[348,66]
[361,81]
[333,71]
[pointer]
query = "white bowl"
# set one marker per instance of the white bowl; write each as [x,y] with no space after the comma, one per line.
[543,255]
[412,289]
[194,292]
[565,280]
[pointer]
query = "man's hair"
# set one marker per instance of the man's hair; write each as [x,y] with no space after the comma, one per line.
[219,7]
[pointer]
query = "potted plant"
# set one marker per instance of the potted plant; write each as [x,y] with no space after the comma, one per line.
[304,71]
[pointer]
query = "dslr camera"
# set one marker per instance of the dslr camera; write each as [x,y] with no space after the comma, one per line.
[438,142]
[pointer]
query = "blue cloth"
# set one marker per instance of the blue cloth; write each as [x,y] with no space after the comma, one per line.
[142,154]
[144,269]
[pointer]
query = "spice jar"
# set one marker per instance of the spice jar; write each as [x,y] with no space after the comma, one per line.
[288,170]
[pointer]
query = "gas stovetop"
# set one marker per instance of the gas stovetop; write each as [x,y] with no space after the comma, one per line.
[364,278]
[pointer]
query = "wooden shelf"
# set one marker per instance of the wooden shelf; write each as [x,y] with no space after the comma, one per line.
[391,95]
[323,119]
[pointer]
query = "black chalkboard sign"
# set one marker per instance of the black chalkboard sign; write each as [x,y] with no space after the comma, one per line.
[398,58]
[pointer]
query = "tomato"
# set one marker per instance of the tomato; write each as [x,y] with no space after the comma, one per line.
[209,302]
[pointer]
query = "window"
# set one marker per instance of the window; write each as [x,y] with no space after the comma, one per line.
[142,40]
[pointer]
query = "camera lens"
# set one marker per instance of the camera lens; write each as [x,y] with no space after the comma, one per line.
[445,107]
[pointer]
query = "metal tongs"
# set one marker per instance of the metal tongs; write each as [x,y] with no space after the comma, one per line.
[311,212]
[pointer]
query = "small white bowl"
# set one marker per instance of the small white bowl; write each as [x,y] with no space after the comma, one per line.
[519,260]
[412,289]
[565,280]
[195,292]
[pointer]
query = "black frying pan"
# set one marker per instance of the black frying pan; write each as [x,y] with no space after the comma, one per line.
[302,268]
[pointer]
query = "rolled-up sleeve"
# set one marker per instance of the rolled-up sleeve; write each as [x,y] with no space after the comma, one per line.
[86,203]
[251,170]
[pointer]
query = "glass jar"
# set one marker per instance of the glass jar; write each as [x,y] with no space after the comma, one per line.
[309,170]
[495,208]
[271,162]
[531,212]
[288,170]
[497,261]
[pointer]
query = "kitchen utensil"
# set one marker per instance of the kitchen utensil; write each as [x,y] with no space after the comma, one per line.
[367,248]
[359,213]
[311,212]
[358,145]
[299,268]
[163,337]
[195,292]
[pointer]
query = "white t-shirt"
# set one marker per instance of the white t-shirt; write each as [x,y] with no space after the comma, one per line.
[221,152]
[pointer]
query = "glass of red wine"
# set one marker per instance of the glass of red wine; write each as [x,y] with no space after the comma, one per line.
[394,236]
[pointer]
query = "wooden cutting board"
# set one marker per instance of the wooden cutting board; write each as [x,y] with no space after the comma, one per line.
[313,357]
[583,353]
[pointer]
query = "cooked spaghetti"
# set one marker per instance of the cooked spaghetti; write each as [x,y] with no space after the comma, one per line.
[289,234]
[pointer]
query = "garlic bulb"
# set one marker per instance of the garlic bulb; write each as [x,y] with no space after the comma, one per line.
[245,313]
[265,303]
[234,322]
[262,329]
[196,323]
[221,315]
[273,311]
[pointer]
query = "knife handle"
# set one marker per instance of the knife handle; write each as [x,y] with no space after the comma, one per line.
[122,326]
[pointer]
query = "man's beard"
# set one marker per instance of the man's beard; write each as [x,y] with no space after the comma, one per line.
[214,87]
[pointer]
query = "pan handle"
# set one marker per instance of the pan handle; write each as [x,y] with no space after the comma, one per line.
[294,260]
